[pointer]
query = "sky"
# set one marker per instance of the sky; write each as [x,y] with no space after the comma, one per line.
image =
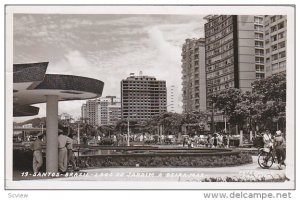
[104,47]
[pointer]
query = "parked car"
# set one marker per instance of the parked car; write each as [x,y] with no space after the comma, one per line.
[170,139]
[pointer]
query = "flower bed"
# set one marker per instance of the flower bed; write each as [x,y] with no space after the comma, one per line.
[22,158]
[220,159]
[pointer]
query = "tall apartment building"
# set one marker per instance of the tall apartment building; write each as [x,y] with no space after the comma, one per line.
[229,52]
[102,111]
[275,27]
[259,46]
[193,75]
[143,97]
[173,99]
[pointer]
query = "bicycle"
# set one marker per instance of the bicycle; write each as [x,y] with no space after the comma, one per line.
[266,158]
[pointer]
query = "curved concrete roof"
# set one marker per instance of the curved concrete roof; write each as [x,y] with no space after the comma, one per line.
[32,85]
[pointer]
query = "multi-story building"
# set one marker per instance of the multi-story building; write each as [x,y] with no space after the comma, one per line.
[65,116]
[173,99]
[229,52]
[143,97]
[102,111]
[259,46]
[275,27]
[193,75]
[83,113]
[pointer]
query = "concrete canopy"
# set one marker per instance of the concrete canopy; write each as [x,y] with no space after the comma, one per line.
[31,85]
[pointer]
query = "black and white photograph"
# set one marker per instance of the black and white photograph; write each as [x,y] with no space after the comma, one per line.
[150,97]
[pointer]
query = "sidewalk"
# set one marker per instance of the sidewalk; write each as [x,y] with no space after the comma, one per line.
[249,172]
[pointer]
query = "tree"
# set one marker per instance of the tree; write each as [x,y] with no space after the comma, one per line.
[272,103]
[226,101]
[272,88]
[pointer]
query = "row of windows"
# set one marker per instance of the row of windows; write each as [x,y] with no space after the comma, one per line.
[258,27]
[259,44]
[221,87]
[279,65]
[259,60]
[219,42]
[276,47]
[258,20]
[220,80]
[219,35]
[260,76]
[217,25]
[276,37]
[259,68]
[259,36]
[259,52]
[220,72]
[222,49]
[277,27]
[278,56]
[276,17]
[221,64]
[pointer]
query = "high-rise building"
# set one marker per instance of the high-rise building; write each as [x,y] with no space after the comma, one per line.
[83,113]
[143,97]
[229,46]
[275,27]
[259,46]
[174,104]
[102,111]
[193,75]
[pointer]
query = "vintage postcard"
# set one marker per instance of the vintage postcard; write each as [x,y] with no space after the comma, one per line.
[150,97]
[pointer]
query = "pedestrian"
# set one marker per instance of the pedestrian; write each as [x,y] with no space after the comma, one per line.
[184,141]
[225,141]
[71,160]
[215,140]
[279,148]
[63,141]
[268,145]
[208,141]
[220,140]
[267,138]
[37,147]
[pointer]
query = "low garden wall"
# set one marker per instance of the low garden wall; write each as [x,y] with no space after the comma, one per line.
[22,158]
[220,159]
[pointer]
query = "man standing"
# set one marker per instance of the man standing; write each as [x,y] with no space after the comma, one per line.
[37,146]
[70,154]
[279,149]
[63,141]
[267,138]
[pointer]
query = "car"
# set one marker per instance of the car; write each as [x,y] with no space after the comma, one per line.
[170,139]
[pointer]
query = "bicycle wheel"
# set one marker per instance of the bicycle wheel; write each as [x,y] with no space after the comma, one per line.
[265,159]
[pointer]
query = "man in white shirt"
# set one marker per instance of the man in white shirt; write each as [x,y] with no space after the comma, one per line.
[63,141]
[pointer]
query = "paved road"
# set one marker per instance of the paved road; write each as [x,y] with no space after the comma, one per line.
[249,171]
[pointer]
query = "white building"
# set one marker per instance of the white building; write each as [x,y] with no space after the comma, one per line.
[173,98]
[275,43]
[101,111]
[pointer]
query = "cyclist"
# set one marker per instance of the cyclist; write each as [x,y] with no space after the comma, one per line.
[268,144]
[279,149]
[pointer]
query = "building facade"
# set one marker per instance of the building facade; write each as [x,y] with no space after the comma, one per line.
[229,52]
[259,46]
[193,75]
[102,111]
[173,99]
[275,30]
[143,97]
